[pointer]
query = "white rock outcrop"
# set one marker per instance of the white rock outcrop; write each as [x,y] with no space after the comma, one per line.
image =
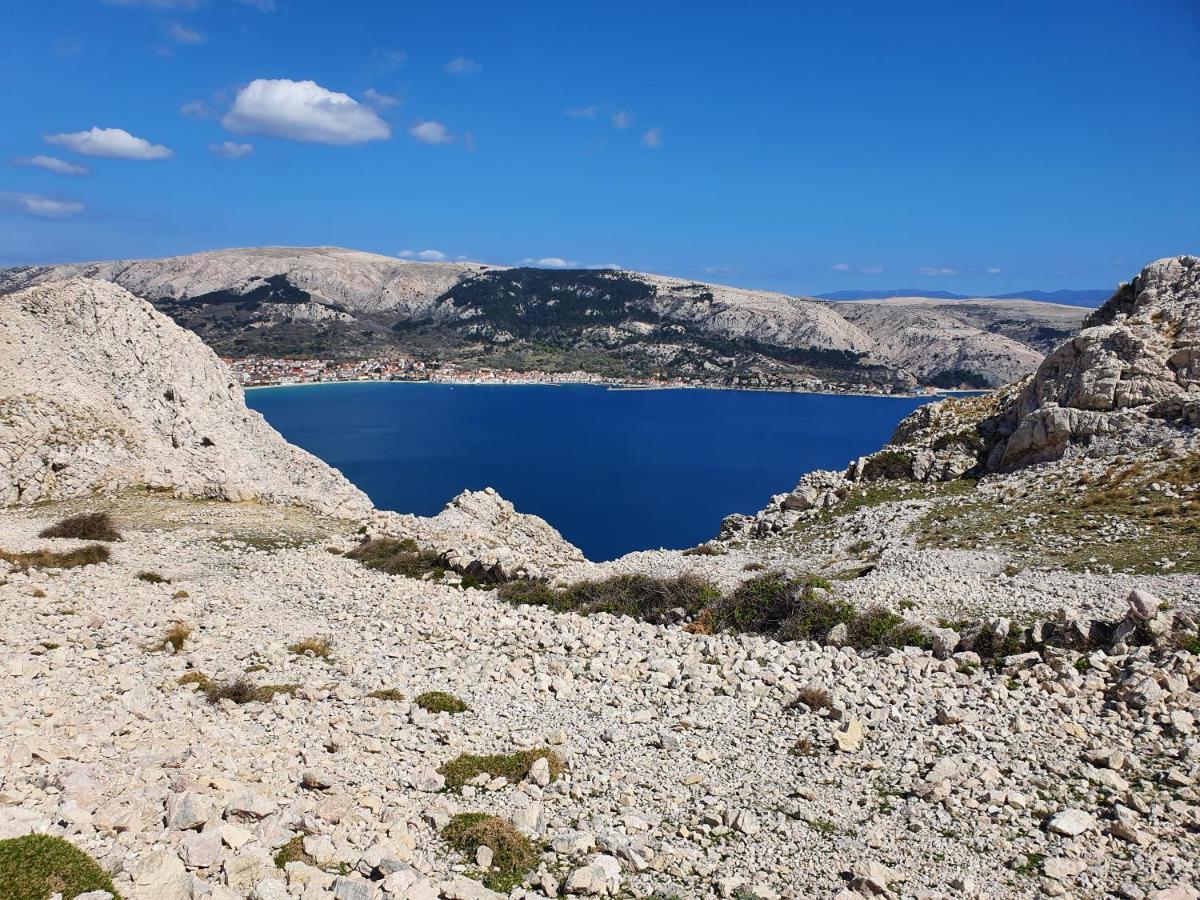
[100,392]
[1138,360]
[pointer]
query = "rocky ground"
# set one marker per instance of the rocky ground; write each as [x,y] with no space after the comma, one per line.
[693,768]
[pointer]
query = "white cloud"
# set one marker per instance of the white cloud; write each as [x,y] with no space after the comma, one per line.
[431,133]
[40,207]
[621,119]
[719,270]
[841,267]
[871,270]
[581,112]
[265,6]
[114,143]
[53,164]
[937,270]
[230,150]
[653,138]
[303,111]
[462,65]
[604,266]
[424,255]
[380,99]
[184,35]
[994,270]
[550,262]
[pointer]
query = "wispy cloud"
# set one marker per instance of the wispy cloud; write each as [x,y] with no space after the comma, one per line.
[183,5]
[40,207]
[581,112]
[871,270]
[621,119]
[265,6]
[550,262]
[380,99]
[431,132]
[841,267]
[303,111]
[230,150]
[936,270]
[181,34]
[386,61]
[196,109]
[114,143]
[463,65]
[994,270]
[423,255]
[653,138]
[53,164]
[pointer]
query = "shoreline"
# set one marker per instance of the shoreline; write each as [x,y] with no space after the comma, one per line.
[939,394]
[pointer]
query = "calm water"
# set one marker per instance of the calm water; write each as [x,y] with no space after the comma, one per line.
[614,471]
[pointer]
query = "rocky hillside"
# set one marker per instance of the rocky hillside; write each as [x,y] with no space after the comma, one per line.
[334,302]
[100,392]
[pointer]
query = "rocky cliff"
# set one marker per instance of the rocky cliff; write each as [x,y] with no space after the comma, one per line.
[98,391]
[327,301]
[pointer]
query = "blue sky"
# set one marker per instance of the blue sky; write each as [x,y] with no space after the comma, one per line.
[803,147]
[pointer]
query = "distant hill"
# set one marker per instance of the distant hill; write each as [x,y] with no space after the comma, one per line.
[1089,298]
[331,302]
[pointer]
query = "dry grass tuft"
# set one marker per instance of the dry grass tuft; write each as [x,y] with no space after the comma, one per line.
[387,694]
[514,854]
[174,638]
[319,647]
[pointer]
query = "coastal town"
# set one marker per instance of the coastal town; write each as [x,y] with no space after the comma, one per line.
[261,371]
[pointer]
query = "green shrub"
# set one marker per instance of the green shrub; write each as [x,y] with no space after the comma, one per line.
[398,557]
[440,701]
[152,578]
[47,559]
[514,855]
[643,597]
[318,647]
[527,592]
[888,465]
[97,526]
[34,866]
[789,609]
[513,766]
[705,550]
[293,851]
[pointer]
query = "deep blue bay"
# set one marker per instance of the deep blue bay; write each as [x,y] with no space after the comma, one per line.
[613,470]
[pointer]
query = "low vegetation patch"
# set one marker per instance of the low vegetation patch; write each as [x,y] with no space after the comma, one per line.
[888,465]
[96,526]
[35,866]
[514,855]
[318,647]
[240,690]
[772,604]
[387,694]
[152,578]
[90,555]
[439,702]
[705,550]
[398,557]
[293,851]
[513,766]
[658,600]
[174,638]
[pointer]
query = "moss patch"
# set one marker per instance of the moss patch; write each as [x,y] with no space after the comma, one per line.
[35,866]
[514,855]
[439,702]
[513,766]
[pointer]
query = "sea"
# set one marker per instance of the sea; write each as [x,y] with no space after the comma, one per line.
[613,470]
